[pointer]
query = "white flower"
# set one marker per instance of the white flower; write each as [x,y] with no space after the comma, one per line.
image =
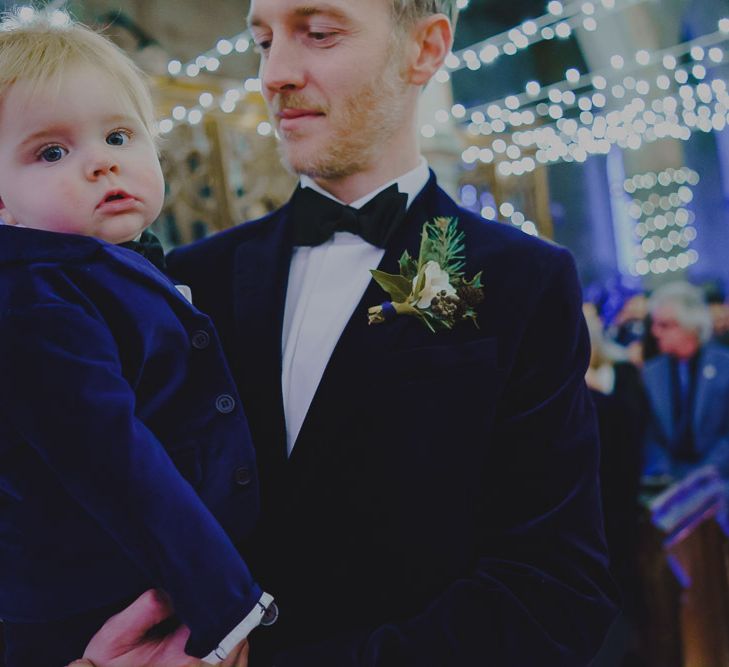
[436,280]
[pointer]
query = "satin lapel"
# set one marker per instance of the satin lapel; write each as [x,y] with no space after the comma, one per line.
[260,280]
[361,347]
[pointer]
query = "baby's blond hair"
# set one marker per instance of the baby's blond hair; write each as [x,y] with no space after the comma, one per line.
[38,51]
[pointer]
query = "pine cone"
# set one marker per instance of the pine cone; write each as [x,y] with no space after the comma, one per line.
[472,296]
[461,309]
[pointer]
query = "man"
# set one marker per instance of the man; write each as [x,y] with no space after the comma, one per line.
[428,499]
[688,387]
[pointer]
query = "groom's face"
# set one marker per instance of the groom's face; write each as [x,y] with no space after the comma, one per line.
[332,75]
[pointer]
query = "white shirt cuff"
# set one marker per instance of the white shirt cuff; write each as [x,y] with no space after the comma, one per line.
[240,631]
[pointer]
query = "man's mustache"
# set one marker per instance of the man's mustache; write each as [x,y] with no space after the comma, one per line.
[295,101]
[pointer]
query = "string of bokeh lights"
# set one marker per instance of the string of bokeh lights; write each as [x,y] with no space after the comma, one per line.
[629,127]
[590,122]
[663,224]
[512,110]
[559,22]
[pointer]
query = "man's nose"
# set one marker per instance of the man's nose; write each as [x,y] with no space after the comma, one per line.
[281,68]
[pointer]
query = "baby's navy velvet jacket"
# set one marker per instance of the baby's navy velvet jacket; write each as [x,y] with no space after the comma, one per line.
[125,455]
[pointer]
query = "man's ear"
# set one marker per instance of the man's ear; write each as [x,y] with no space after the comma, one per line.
[5,215]
[432,41]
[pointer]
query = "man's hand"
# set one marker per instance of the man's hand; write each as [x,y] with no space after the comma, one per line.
[122,640]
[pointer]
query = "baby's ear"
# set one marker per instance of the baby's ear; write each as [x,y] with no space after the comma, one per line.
[5,215]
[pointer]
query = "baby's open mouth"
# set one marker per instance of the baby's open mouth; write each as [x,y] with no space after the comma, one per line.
[114,196]
[114,199]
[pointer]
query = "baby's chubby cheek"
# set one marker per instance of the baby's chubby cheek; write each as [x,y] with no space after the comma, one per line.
[153,193]
[67,196]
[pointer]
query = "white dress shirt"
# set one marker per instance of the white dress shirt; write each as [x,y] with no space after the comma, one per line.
[326,282]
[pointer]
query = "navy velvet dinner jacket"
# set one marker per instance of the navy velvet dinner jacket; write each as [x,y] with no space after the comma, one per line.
[441,504]
[125,455]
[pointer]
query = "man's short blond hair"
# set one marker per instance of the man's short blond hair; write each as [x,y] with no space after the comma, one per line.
[38,52]
[406,12]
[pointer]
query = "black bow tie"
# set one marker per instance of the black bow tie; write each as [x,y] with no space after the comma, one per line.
[148,247]
[316,217]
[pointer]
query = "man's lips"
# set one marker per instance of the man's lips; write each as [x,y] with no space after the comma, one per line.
[287,114]
[115,201]
[291,118]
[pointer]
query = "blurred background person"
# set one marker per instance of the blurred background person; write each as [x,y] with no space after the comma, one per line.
[629,327]
[623,312]
[687,385]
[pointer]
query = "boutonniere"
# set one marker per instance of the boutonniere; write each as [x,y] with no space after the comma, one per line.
[432,288]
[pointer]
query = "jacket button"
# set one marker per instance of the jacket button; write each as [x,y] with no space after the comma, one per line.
[270,616]
[200,340]
[225,403]
[243,476]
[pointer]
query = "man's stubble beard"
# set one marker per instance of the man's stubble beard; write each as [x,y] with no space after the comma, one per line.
[361,125]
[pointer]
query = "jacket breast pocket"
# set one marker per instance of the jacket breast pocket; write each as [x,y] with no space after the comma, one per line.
[443,390]
[464,363]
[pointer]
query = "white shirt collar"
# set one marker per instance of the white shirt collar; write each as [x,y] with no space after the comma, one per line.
[410,184]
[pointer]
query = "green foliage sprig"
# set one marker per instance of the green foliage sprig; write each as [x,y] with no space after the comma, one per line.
[432,288]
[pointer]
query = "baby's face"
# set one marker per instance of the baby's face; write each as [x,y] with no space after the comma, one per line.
[78,159]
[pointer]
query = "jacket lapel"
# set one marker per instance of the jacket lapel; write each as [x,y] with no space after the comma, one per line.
[261,269]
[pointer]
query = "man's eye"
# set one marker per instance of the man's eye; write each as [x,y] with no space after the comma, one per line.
[263,45]
[321,36]
[52,153]
[118,137]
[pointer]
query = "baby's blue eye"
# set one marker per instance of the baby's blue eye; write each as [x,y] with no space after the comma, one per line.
[53,153]
[117,138]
